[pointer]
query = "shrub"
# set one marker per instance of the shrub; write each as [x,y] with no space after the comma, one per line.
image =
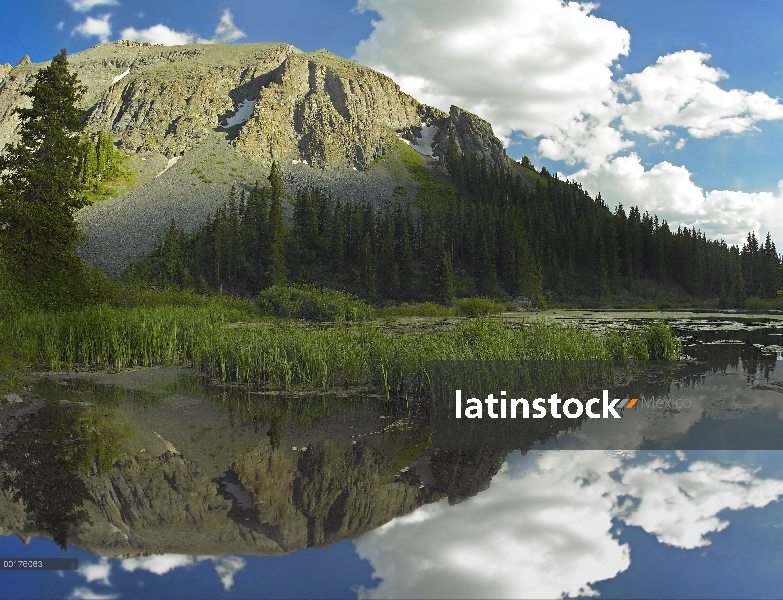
[662,344]
[476,307]
[417,309]
[311,303]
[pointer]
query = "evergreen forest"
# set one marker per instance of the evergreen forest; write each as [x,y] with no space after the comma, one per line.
[499,234]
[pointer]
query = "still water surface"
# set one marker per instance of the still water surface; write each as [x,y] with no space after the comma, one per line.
[165,487]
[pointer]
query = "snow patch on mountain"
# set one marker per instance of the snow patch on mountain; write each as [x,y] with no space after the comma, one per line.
[244,112]
[121,76]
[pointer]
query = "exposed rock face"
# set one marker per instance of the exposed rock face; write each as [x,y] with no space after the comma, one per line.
[188,481]
[327,494]
[4,71]
[314,107]
[328,112]
[167,504]
[471,135]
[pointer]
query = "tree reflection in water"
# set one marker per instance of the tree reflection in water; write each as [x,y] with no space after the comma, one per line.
[44,459]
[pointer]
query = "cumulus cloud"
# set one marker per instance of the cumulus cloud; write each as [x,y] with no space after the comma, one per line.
[87,5]
[538,66]
[546,530]
[159,34]
[680,508]
[549,70]
[159,564]
[542,535]
[668,190]
[99,28]
[544,68]
[680,90]
[225,32]
[227,567]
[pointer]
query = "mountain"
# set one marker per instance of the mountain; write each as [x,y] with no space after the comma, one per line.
[195,120]
[217,482]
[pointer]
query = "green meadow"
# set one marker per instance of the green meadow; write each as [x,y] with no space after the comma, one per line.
[234,342]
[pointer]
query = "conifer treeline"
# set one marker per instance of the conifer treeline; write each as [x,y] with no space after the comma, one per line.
[585,248]
[497,235]
[378,254]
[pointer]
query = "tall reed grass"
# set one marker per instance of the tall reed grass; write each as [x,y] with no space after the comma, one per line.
[284,355]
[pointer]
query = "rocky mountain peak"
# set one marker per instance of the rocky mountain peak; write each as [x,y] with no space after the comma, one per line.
[270,101]
[228,112]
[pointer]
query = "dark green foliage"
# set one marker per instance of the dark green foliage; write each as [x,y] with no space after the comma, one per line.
[500,234]
[42,460]
[476,307]
[563,241]
[97,161]
[761,267]
[39,191]
[311,303]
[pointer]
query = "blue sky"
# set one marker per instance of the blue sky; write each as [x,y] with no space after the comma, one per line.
[672,106]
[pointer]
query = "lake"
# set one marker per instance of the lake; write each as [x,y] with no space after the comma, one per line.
[162,485]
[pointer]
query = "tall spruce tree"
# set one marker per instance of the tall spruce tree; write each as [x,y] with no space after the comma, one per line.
[278,274]
[39,190]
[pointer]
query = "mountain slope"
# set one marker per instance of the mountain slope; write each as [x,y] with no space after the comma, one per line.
[198,119]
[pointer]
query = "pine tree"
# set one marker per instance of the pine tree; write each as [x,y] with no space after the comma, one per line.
[39,190]
[445,288]
[278,273]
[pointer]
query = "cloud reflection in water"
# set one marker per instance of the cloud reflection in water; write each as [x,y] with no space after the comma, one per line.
[546,528]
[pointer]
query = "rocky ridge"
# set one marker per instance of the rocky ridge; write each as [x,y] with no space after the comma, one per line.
[327,121]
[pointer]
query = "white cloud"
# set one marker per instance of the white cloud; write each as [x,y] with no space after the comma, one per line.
[225,32]
[99,571]
[545,68]
[85,593]
[159,34]
[87,5]
[681,508]
[542,535]
[160,564]
[227,567]
[547,529]
[60,25]
[99,28]
[667,190]
[680,90]
[532,65]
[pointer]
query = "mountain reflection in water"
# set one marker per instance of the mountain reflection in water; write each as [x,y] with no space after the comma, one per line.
[157,463]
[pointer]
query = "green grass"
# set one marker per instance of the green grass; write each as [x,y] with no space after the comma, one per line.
[287,355]
[435,193]
[414,309]
[311,303]
[464,307]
